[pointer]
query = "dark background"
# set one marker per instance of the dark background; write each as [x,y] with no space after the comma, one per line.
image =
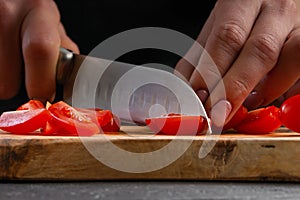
[89,22]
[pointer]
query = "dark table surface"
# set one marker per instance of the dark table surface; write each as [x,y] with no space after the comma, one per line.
[148,190]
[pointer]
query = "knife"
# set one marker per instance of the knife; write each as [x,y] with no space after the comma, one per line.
[132,92]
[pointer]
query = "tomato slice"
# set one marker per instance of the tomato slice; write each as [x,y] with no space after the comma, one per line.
[31,105]
[177,124]
[259,121]
[290,113]
[24,121]
[98,116]
[72,121]
[113,125]
[52,130]
[238,117]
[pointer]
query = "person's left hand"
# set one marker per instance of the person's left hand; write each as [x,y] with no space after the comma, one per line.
[256,48]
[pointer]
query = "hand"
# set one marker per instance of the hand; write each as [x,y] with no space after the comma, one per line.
[30,37]
[256,48]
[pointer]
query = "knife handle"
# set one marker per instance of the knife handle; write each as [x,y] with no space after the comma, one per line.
[64,65]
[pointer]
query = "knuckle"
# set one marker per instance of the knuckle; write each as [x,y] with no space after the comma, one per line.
[213,73]
[265,48]
[42,46]
[209,77]
[241,87]
[287,6]
[231,36]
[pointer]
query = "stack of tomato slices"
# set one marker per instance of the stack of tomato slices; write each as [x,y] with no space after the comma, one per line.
[259,121]
[59,119]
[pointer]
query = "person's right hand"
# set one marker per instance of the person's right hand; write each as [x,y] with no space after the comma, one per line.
[30,36]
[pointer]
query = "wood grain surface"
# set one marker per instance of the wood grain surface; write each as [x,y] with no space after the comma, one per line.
[274,156]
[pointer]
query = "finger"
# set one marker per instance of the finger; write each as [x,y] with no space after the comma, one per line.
[281,78]
[294,90]
[258,56]
[233,23]
[188,63]
[66,41]
[40,45]
[10,56]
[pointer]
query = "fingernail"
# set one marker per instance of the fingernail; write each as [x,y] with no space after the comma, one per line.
[202,94]
[220,112]
[253,100]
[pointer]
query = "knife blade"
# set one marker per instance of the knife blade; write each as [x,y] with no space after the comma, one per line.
[132,92]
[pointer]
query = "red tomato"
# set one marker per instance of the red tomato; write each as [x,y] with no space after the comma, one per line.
[290,113]
[52,130]
[113,125]
[238,117]
[24,121]
[263,120]
[72,121]
[171,123]
[32,104]
[98,116]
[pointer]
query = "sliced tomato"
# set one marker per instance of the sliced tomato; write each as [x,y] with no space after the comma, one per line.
[290,113]
[238,117]
[262,120]
[24,121]
[72,121]
[113,125]
[98,116]
[177,124]
[31,105]
[52,130]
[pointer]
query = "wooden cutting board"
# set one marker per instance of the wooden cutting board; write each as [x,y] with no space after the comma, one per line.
[274,156]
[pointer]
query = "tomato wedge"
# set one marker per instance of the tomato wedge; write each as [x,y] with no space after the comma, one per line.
[24,121]
[238,117]
[259,121]
[31,105]
[113,125]
[98,116]
[290,113]
[177,124]
[72,121]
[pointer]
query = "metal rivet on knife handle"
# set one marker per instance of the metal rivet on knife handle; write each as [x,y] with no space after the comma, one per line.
[64,65]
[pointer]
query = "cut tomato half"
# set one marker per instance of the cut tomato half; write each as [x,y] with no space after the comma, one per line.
[72,121]
[259,121]
[177,124]
[24,121]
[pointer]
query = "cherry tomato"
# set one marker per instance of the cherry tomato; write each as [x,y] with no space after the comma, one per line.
[176,124]
[72,121]
[238,117]
[32,104]
[290,113]
[24,121]
[262,120]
